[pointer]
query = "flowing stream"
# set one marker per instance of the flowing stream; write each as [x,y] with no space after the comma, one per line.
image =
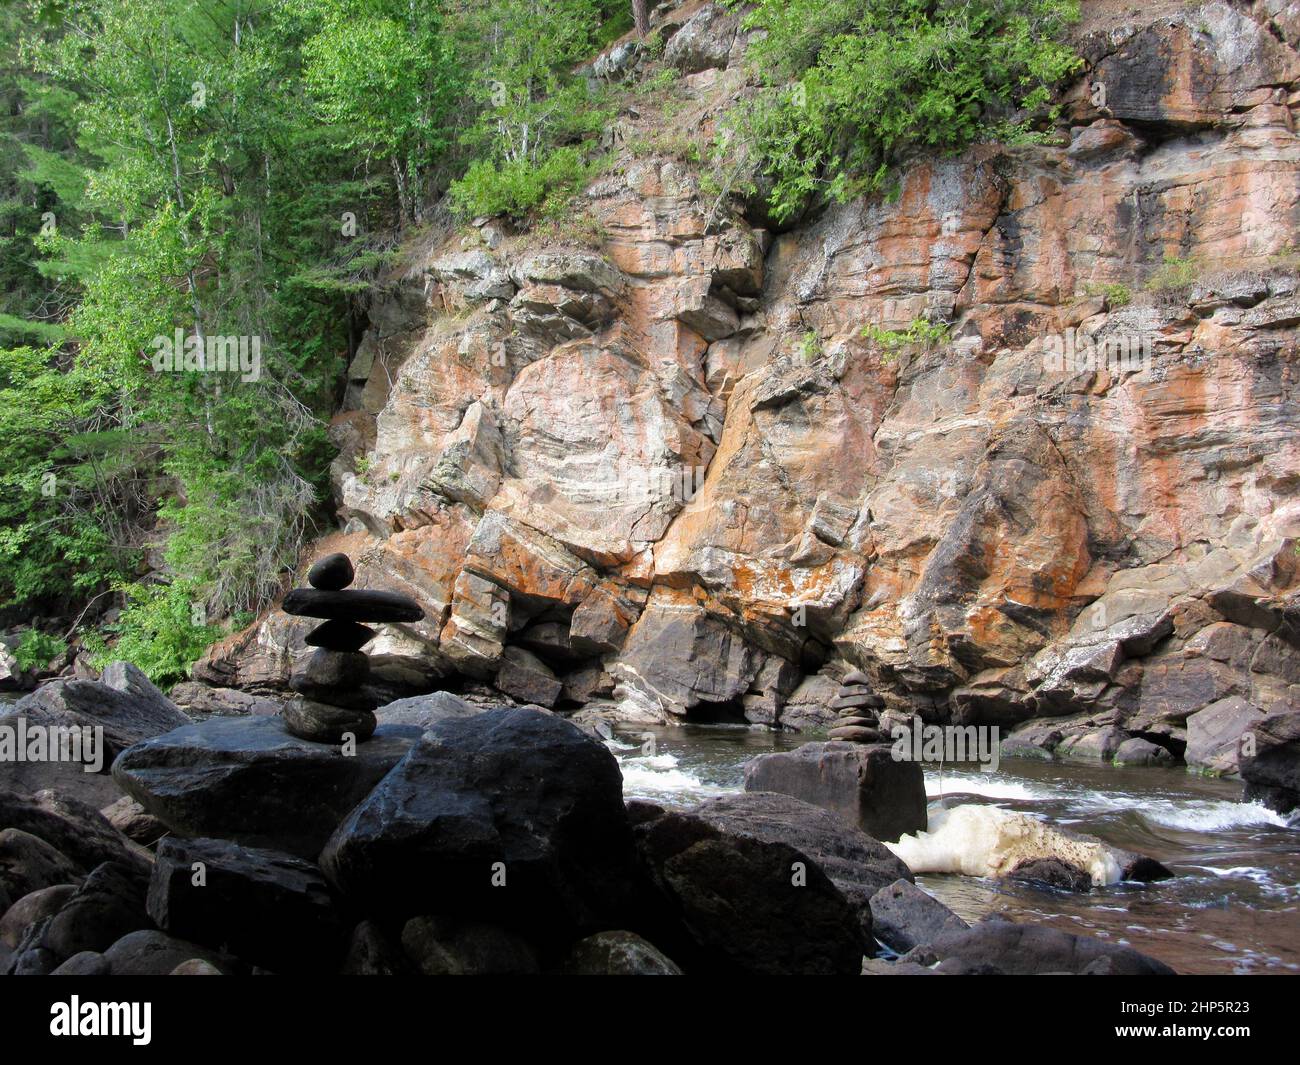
[1232,907]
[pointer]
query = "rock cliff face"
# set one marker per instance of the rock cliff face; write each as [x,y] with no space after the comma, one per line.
[669,475]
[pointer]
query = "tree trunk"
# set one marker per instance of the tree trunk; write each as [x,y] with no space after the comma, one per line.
[641,15]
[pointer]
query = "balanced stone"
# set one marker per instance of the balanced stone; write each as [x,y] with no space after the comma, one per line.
[333,701]
[857,677]
[853,702]
[352,699]
[332,573]
[311,720]
[856,719]
[342,669]
[335,677]
[340,636]
[855,734]
[351,605]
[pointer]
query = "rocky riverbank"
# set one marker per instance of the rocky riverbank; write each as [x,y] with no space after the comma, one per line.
[462,841]
[660,474]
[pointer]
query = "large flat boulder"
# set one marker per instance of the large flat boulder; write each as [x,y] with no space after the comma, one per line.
[862,783]
[513,816]
[249,780]
[123,703]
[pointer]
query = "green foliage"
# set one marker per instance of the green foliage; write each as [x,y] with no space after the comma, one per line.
[1117,294]
[384,76]
[537,123]
[852,85]
[920,332]
[517,187]
[1174,273]
[36,650]
[810,346]
[161,630]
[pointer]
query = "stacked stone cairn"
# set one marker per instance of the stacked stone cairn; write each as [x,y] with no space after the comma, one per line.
[860,709]
[332,703]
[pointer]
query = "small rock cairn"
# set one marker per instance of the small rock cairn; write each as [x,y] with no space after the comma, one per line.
[332,702]
[861,708]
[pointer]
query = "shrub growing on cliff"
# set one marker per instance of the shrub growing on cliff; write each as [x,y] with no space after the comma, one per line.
[849,86]
[536,122]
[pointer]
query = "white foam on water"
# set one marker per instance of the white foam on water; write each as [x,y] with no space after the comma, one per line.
[987,841]
[1208,816]
[1192,815]
[989,787]
[659,777]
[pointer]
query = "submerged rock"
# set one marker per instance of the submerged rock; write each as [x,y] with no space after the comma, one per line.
[1003,947]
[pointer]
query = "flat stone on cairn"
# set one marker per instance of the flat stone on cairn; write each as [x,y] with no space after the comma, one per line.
[332,703]
[860,707]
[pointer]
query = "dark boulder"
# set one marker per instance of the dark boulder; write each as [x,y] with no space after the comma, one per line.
[903,916]
[28,863]
[77,830]
[108,905]
[248,780]
[863,784]
[512,816]
[371,953]
[618,954]
[87,963]
[151,953]
[741,899]
[31,908]
[856,864]
[266,907]
[443,947]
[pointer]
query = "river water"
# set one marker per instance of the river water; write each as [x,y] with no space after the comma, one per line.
[1232,907]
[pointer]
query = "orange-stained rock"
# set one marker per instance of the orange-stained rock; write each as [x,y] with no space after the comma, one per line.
[680,457]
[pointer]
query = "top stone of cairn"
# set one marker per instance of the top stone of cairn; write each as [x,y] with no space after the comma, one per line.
[329,597]
[332,573]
